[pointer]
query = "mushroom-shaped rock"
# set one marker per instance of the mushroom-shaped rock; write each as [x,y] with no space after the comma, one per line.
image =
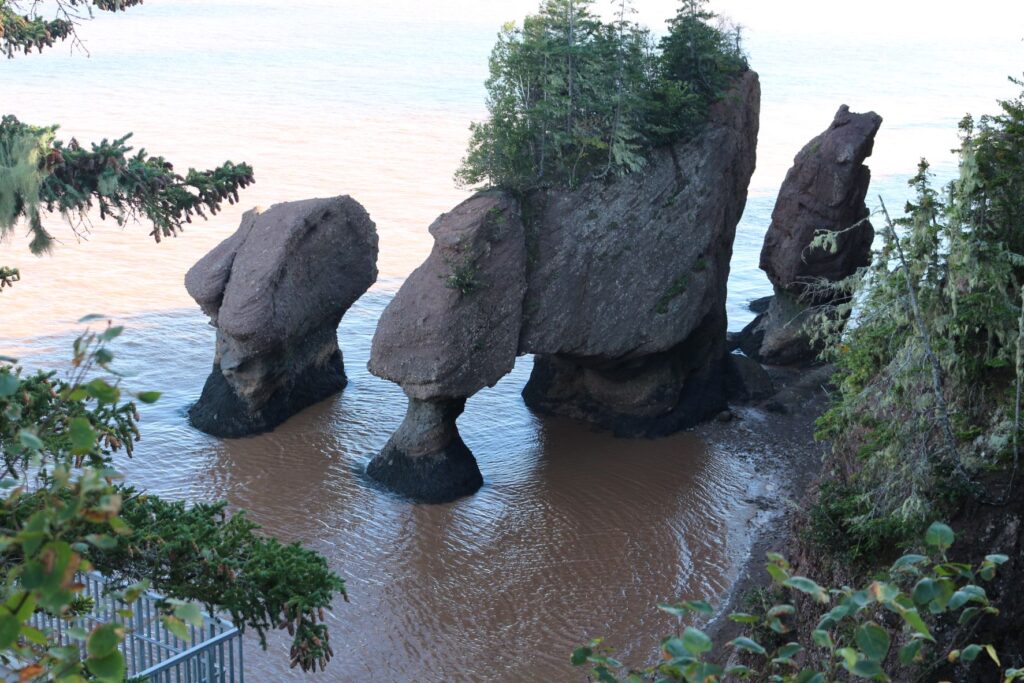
[823,192]
[451,330]
[276,291]
[626,300]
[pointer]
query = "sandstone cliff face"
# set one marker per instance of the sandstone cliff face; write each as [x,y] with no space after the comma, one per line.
[276,291]
[618,287]
[823,191]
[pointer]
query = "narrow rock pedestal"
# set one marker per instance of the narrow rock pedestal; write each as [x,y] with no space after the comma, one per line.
[425,459]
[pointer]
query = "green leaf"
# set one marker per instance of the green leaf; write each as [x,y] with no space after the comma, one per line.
[30,441]
[788,650]
[939,536]
[805,585]
[744,643]
[908,562]
[687,606]
[104,639]
[112,333]
[91,317]
[910,653]
[189,612]
[968,593]
[8,384]
[579,655]
[914,620]
[180,630]
[743,618]
[924,591]
[102,541]
[148,396]
[103,392]
[83,436]
[110,669]
[997,559]
[10,629]
[778,574]
[866,668]
[695,641]
[970,653]
[873,640]
[822,638]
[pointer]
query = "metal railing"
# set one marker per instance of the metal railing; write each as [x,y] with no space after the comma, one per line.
[211,654]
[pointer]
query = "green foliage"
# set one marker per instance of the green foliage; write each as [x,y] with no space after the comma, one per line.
[871,632]
[675,290]
[40,173]
[63,511]
[262,583]
[463,277]
[572,98]
[22,28]
[930,369]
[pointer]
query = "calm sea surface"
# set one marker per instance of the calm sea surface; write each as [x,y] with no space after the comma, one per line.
[575,533]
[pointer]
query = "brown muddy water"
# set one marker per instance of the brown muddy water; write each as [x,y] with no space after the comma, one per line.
[575,534]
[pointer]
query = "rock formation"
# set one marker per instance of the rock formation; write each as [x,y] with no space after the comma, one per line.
[618,287]
[823,191]
[276,291]
[452,329]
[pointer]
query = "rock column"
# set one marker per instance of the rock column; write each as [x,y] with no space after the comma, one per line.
[824,191]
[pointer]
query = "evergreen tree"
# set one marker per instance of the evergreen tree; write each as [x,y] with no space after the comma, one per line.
[572,98]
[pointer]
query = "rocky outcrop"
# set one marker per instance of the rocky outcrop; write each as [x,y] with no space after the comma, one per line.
[452,329]
[824,191]
[276,291]
[618,287]
[625,307]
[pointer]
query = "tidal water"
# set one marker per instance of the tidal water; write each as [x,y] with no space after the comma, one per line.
[575,533]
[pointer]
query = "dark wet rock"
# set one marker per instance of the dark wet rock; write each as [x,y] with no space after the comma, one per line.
[648,396]
[824,190]
[426,458]
[453,327]
[779,336]
[748,380]
[759,305]
[276,291]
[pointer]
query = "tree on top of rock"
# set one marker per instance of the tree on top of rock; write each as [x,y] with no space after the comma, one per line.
[41,174]
[572,98]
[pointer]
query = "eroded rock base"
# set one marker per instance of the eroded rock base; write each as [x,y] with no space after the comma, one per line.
[426,459]
[221,412]
[650,396]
